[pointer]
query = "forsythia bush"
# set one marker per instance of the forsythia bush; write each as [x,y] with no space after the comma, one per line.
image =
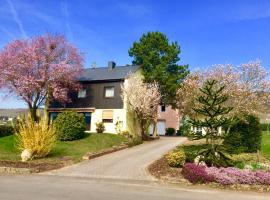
[36,137]
[176,158]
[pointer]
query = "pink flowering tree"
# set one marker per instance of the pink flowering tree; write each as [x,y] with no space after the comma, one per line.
[247,87]
[142,99]
[40,69]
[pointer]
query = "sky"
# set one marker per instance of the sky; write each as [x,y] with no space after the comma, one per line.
[208,31]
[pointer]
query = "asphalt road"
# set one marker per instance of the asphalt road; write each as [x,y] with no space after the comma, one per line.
[129,163]
[43,187]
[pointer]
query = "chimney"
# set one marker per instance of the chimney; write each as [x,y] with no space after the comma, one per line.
[111,65]
[93,65]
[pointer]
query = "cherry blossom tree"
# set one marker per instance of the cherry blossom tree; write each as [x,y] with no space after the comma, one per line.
[142,99]
[40,69]
[247,87]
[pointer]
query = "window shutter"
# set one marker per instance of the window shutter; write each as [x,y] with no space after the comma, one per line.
[107,114]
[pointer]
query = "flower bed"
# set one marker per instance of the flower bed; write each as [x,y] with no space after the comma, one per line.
[225,176]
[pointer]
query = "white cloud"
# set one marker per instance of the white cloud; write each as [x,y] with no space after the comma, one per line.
[16,18]
[134,10]
[64,8]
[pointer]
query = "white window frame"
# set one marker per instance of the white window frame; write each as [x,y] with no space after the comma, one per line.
[82,93]
[109,89]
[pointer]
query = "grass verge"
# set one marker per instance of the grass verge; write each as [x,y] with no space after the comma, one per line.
[63,150]
[266,144]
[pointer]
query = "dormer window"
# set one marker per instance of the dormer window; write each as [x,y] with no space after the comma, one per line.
[109,92]
[82,93]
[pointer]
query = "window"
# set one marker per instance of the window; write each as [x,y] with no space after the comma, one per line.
[163,108]
[53,116]
[82,93]
[107,116]
[109,92]
[199,130]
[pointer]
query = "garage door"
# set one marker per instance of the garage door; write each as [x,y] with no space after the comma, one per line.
[161,128]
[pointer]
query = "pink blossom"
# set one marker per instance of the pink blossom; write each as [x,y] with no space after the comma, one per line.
[40,67]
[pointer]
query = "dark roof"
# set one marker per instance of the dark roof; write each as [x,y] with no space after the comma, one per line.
[105,73]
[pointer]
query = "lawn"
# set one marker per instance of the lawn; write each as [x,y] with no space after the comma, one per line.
[64,149]
[266,144]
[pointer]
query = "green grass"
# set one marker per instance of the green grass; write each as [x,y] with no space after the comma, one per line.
[64,149]
[266,144]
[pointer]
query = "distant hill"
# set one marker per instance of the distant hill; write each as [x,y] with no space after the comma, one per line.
[13,112]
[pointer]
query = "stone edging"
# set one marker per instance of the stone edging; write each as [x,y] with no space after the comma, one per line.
[14,170]
[89,156]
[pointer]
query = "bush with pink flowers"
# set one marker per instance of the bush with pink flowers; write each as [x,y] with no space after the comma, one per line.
[196,173]
[225,176]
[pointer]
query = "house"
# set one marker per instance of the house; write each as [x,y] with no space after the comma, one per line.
[100,100]
[167,118]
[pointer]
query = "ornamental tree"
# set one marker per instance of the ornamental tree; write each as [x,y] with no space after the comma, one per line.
[142,99]
[211,115]
[247,87]
[211,111]
[40,69]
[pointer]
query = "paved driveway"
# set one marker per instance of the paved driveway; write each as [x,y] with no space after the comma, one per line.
[126,164]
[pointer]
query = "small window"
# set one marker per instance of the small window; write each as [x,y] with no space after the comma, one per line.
[163,108]
[199,130]
[82,93]
[109,92]
[107,116]
[53,116]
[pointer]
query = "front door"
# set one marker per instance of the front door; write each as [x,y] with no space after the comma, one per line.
[87,117]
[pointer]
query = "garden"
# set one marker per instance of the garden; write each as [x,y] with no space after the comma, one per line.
[43,146]
[230,150]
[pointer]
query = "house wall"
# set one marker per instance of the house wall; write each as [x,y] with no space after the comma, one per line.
[203,130]
[118,115]
[95,96]
[171,117]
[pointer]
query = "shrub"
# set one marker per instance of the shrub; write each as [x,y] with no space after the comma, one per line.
[70,126]
[37,138]
[196,173]
[233,143]
[215,156]
[100,128]
[265,127]
[191,151]
[176,158]
[244,136]
[185,127]
[6,130]
[136,140]
[179,133]
[170,131]
[225,176]
[126,134]
[231,175]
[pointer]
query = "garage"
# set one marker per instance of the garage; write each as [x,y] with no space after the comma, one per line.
[161,127]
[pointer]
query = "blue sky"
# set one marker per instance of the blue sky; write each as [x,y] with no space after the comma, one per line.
[209,32]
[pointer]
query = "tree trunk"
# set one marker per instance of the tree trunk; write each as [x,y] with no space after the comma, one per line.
[143,130]
[46,110]
[33,113]
[155,125]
